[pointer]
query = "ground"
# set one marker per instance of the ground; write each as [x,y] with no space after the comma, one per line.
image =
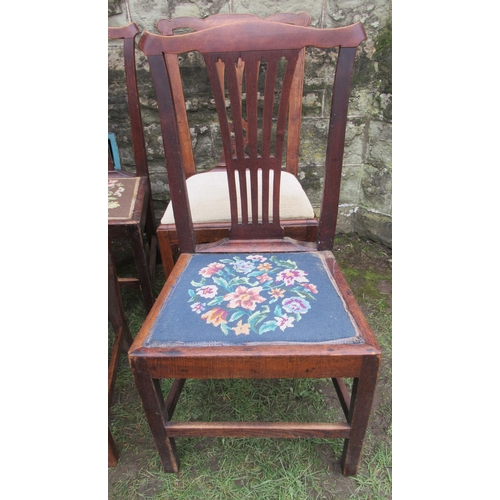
[263,469]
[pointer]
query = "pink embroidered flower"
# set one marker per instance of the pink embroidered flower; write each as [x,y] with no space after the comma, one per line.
[290,276]
[284,321]
[264,277]
[245,297]
[207,291]
[216,316]
[211,269]
[312,288]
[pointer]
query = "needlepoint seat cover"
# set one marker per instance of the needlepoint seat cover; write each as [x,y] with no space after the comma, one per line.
[122,197]
[240,299]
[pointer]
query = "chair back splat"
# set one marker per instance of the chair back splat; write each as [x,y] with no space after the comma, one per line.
[257,303]
[256,150]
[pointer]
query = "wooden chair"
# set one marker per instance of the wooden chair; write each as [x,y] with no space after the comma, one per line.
[257,304]
[123,340]
[130,205]
[208,193]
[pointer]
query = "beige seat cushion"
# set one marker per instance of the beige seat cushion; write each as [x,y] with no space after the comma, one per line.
[209,199]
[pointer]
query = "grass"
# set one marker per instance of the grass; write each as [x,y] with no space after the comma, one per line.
[272,469]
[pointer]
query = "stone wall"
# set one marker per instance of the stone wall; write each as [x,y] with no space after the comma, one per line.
[365,201]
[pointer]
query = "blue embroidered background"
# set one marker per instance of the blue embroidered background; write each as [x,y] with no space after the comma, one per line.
[249,298]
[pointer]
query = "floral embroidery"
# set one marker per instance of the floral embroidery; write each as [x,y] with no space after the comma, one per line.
[252,294]
[208,291]
[115,190]
[215,316]
[241,328]
[284,321]
[213,268]
[198,307]
[296,305]
[244,297]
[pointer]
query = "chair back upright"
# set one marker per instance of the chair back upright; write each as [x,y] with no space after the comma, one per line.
[128,34]
[254,163]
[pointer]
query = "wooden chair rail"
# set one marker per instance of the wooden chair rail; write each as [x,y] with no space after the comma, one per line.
[260,35]
[257,430]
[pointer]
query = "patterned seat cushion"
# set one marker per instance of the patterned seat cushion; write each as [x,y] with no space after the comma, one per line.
[209,199]
[238,299]
[122,196]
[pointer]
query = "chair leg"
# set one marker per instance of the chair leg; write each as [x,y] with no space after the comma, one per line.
[142,267]
[362,395]
[154,407]
[112,451]
[167,256]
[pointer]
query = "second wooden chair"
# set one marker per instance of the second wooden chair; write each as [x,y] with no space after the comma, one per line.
[208,191]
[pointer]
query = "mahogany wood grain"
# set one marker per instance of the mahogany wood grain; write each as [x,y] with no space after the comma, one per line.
[290,430]
[258,34]
[343,394]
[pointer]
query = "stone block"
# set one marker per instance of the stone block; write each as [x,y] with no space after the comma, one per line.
[374,226]
[265,8]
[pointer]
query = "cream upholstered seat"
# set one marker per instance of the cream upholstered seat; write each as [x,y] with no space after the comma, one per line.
[209,199]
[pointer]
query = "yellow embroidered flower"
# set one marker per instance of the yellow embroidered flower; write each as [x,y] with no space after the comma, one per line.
[277,293]
[216,316]
[264,267]
[241,328]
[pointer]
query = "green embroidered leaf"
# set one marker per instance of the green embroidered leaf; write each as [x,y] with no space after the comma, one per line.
[198,285]
[192,293]
[238,281]
[255,273]
[224,328]
[227,261]
[216,301]
[301,293]
[236,315]
[284,263]
[256,318]
[278,312]
[221,282]
[268,326]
